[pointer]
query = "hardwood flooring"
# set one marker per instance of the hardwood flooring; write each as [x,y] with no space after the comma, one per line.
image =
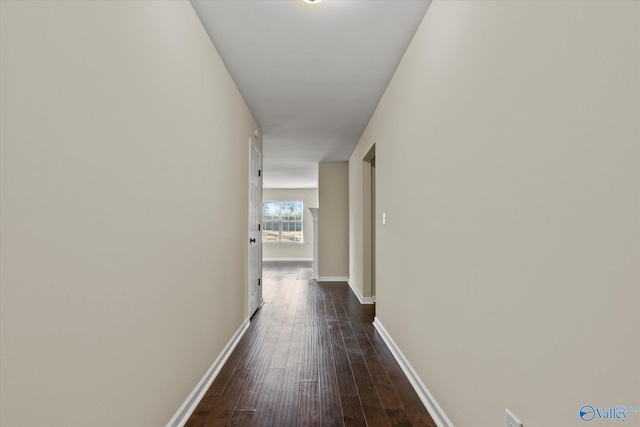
[310,357]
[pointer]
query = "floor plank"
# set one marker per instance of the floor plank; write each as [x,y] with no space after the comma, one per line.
[242,418]
[352,410]
[309,409]
[311,357]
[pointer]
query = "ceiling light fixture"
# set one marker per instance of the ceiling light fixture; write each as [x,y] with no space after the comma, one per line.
[312,1]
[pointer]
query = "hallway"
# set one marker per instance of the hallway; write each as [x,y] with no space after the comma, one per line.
[310,357]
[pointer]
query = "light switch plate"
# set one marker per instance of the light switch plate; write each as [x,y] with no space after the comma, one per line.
[511,420]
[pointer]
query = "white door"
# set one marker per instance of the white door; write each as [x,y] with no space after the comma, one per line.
[255,232]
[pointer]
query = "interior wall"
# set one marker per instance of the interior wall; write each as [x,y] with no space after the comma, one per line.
[124,148]
[333,220]
[288,252]
[507,153]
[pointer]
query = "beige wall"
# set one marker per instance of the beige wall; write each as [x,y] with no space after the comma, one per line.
[309,198]
[333,220]
[124,143]
[507,153]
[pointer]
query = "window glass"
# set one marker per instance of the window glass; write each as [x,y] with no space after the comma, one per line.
[282,222]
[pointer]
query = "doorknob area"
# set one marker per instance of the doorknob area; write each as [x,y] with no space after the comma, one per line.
[252,240]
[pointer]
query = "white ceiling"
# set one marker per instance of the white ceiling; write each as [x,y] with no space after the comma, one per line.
[311,74]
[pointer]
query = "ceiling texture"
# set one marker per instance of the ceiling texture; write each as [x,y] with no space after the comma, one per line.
[311,74]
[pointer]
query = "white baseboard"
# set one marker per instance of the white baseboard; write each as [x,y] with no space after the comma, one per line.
[272,259]
[182,415]
[333,279]
[426,397]
[363,300]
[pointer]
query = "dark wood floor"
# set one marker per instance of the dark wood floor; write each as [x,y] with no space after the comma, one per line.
[310,357]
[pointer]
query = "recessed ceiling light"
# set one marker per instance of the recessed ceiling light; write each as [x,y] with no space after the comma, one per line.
[312,1]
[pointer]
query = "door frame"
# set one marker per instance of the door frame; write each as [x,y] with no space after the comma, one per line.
[369,223]
[257,234]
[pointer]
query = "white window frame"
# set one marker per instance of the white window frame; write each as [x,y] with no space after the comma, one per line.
[280,223]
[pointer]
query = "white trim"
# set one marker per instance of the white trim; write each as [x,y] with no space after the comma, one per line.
[427,398]
[275,259]
[315,215]
[188,406]
[333,279]
[363,300]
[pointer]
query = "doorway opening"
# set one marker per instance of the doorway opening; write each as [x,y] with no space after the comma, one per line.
[369,222]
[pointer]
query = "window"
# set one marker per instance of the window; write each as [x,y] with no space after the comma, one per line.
[282,222]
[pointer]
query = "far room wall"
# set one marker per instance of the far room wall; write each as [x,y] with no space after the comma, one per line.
[333,221]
